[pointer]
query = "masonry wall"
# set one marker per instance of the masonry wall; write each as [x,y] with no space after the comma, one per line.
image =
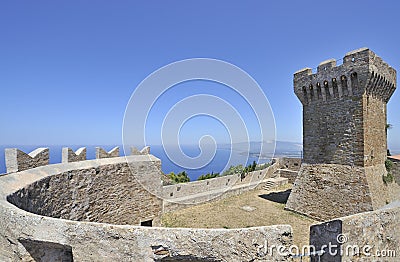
[377,231]
[374,121]
[326,191]
[333,132]
[106,193]
[82,241]
[16,160]
[106,190]
[396,170]
[289,168]
[203,190]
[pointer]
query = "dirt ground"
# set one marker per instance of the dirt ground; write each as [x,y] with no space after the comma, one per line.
[254,208]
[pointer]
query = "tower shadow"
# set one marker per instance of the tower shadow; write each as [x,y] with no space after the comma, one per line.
[278,197]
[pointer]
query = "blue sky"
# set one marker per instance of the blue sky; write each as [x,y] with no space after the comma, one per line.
[68,68]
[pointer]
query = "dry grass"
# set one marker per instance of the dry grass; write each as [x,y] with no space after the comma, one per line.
[267,209]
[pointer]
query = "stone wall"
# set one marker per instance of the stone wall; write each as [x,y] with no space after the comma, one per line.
[16,160]
[374,120]
[85,241]
[101,153]
[92,191]
[371,236]
[107,191]
[333,132]
[68,155]
[145,151]
[288,174]
[289,168]
[290,163]
[215,188]
[326,191]
[395,169]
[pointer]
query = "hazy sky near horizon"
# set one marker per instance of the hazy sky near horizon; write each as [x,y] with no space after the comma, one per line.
[68,68]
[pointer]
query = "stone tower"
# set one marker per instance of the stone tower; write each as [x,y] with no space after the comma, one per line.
[344,135]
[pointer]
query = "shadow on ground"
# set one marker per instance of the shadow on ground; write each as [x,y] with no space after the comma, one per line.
[278,197]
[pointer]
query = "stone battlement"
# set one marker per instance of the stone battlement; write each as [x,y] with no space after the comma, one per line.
[17,160]
[362,72]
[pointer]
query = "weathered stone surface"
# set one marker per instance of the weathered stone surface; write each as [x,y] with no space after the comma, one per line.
[289,168]
[145,151]
[134,151]
[101,153]
[327,191]
[395,169]
[288,174]
[290,163]
[16,160]
[105,242]
[107,193]
[68,155]
[370,236]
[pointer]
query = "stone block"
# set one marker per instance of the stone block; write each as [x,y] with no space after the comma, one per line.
[68,155]
[101,153]
[17,160]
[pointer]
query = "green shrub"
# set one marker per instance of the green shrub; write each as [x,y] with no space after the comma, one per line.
[208,176]
[388,165]
[181,177]
[233,170]
[388,178]
[263,166]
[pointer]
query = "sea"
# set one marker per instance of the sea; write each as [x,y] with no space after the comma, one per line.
[216,165]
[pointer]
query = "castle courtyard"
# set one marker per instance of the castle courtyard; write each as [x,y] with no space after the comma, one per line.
[251,209]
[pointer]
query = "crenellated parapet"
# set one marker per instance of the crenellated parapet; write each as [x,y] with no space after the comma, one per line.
[145,151]
[68,155]
[101,153]
[17,160]
[362,72]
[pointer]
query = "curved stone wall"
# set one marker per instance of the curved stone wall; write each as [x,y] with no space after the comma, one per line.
[52,212]
[96,192]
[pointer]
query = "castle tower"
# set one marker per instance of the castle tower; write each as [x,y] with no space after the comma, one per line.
[344,135]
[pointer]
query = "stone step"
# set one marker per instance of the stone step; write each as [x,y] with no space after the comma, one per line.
[268,185]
